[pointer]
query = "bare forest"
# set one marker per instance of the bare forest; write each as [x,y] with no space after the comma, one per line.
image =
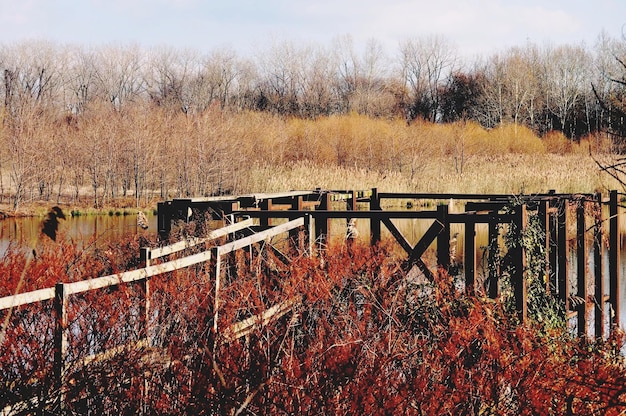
[100,124]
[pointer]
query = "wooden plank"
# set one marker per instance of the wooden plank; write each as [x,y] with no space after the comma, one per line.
[443,239]
[581,267]
[614,258]
[562,251]
[428,237]
[598,267]
[26,298]
[469,255]
[397,235]
[134,275]
[374,223]
[321,214]
[248,325]
[255,238]
[213,235]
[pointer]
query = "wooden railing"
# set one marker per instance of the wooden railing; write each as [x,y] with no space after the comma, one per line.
[62,292]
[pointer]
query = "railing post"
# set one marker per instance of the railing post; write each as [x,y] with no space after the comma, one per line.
[443,239]
[60,341]
[598,268]
[553,246]
[519,261]
[493,289]
[215,254]
[469,257]
[544,220]
[374,220]
[614,257]
[322,226]
[562,272]
[581,268]
[307,237]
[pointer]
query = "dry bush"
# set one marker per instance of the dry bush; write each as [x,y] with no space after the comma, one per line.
[365,339]
[557,143]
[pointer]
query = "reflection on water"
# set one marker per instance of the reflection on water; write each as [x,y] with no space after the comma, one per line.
[83,229]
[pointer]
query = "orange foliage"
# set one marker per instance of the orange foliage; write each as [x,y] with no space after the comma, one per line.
[366,339]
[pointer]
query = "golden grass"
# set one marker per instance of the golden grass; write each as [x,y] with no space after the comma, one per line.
[198,154]
[505,174]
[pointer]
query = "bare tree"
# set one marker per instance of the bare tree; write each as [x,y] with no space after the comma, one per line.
[118,75]
[425,64]
[567,71]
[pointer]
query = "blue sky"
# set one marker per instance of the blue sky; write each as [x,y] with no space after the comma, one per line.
[473,26]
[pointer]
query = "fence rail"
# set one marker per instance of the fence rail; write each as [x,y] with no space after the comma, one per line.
[62,291]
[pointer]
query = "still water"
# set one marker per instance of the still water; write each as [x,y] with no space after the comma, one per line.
[97,229]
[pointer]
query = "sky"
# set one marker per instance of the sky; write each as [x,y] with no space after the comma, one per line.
[474,27]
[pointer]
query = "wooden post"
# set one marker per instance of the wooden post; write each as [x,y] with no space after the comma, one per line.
[308,235]
[443,239]
[215,254]
[322,227]
[519,260]
[470,256]
[266,205]
[375,221]
[598,267]
[563,276]
[552,254]
[60,340]
[581,268]
[544,220]
[351,230]
[614,257]
[164,218]
[294,235]
[494,254]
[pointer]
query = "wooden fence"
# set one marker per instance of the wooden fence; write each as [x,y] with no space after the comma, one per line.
[61,293]
[564,218]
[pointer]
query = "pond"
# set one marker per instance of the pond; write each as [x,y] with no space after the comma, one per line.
[99,229]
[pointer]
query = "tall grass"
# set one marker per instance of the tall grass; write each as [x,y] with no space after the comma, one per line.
[146,154]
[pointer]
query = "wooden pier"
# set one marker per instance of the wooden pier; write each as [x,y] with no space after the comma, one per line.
[579,219]
[579,229]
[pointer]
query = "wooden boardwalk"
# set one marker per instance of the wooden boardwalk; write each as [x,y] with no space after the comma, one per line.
[589,222]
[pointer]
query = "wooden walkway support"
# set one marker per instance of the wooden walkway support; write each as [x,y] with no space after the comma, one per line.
[584,297]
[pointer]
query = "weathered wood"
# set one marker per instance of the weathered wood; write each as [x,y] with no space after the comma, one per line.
[544,221]
[443,239]
[395,232]
[581,268]
[563,274]
[14,301]
[469,258]
[428,237]
[139,274]
[60,340]
[247,326]
[255,238]
[598,268]
[374,222]
[493,289]
[212,235]
[614,258]
[519,261]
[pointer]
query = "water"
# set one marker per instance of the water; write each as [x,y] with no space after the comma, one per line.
[99,229]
